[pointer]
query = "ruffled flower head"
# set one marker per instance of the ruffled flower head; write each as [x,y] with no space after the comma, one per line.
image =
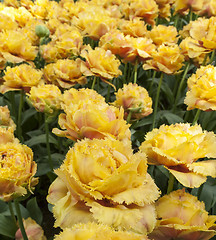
[178,147]
[182,216]
[84,187]
[17,169]
[135,99]
[96,232]
[201,89]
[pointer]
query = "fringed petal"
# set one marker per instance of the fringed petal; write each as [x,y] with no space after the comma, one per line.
[188,179]
[133,218]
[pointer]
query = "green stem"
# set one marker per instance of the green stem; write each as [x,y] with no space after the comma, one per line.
[152,81]
[212,57]
[48,144]
[156,101]
[19,129]
[108,93]
[93,83]
[170,183]
[13,107]
[200,191]
[12,212]
[135,71]
[176,20]
[196,117]
[186,116]
[20,221]
[191,15]
[125,73]
[181,85]
[205,59]
[129,116]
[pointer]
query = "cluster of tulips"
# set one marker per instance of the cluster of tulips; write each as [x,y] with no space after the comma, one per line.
[94,70]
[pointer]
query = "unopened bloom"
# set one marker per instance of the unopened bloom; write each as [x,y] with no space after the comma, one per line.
[65,73]
[84,187]
[100,62]
[178,147]
[33,230]
[201,89]
[135,99]
[20,77]
[17,169]
[167,59]
[181,216]
[45,98]
[96,232]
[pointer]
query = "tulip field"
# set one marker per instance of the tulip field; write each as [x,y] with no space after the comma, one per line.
[107,120]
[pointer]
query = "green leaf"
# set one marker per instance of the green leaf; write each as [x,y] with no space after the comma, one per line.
[170,117]
[27,114]
[168,93]
[7,226]
[3,207]
[143,122]
[208,195]
[34,210]
[40,139]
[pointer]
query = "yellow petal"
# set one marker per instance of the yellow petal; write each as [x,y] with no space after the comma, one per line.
[137,219]
[144,194]
[188,179]
[95,231]
[67,214]
[205,168]
[170,233]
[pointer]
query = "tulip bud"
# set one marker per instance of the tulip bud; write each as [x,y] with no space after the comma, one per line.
[33,231]
[42,31]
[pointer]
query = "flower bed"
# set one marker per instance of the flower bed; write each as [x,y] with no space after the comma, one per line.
[107,119]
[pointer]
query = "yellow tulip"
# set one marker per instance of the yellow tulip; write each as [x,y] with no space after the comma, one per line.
[84,187]
[65,73]
[95,231]
[16,171]
[92,120]
[17,78]
[33,230]
[135,99]
[178,147]
[167,59]
[201,89]
[45,98]
[182,216]
[100,62]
